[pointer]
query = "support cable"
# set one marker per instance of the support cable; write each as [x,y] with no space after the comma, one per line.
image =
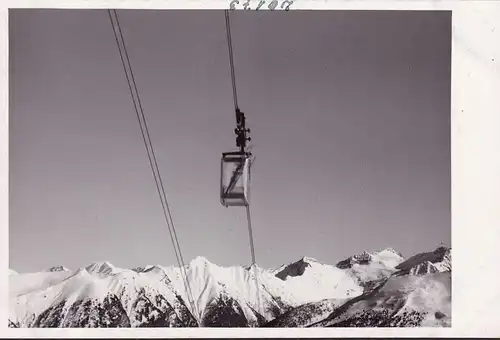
[151,156]
[231,61]
[238,120]
[252,251]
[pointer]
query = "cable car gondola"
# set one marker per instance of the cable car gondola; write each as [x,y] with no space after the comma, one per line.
[235,168]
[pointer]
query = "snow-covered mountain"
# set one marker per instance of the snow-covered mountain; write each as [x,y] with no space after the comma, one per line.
[397,293]
[300,294]
[399,301]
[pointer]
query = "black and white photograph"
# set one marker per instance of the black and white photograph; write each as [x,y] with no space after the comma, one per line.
[229,168]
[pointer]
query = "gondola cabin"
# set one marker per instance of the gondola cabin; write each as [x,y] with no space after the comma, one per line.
[235,179]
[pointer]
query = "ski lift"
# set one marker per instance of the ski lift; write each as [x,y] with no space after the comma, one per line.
[235,165]
[235,168]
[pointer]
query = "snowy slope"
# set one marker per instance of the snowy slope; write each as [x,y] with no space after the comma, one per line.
[35,293]
[322,281]
[378,272]
[32,294]
[307,314]
[401,301]
[302,293]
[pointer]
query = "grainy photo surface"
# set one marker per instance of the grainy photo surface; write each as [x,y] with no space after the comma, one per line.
[211,168]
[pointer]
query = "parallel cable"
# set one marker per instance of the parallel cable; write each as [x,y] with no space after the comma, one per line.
[153,153]
[152,159]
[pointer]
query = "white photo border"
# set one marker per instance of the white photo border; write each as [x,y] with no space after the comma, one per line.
[475,144]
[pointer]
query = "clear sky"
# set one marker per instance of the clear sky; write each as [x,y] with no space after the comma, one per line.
[350,117]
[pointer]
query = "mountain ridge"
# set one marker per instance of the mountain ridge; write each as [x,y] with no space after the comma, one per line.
[204,259]
[155,296]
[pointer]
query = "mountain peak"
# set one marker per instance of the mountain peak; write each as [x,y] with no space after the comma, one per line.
[442,250]
[199,261]
[103,267]
[439,259]
[57,269]
[308,259]
[295,269]
[389,250]
[363,258]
